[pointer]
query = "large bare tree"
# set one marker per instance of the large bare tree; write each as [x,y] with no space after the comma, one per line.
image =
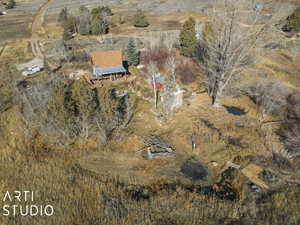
[237,31]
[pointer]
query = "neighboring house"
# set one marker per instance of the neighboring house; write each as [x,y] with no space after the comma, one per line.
[107,65]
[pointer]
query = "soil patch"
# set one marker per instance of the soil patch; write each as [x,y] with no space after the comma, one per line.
[194,170]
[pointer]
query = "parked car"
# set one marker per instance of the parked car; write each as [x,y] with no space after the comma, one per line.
[32,70]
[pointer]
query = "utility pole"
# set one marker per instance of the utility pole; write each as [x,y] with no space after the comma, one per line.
[154,89]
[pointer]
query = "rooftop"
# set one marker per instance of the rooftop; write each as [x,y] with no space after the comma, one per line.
[106,59]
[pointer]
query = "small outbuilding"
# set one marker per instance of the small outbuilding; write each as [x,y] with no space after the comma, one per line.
[259,7]
[107,65]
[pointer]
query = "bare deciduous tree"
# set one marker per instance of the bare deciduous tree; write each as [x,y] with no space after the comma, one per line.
[153,70]
[270,96]
[232,41]
[290,133]
[171,67]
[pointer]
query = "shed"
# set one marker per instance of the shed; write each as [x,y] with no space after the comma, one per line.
[259,7]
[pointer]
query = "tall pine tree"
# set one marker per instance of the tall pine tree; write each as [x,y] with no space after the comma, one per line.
[132,54]
[188,40]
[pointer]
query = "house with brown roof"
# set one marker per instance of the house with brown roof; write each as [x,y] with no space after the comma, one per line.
[107,64]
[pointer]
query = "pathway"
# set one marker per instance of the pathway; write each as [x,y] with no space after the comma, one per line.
[36,25]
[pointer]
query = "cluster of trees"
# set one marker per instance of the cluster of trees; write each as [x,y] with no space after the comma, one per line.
[66,109]
[231,42]
[86,22]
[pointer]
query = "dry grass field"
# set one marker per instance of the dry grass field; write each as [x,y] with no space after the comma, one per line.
[16,24]
[89,183]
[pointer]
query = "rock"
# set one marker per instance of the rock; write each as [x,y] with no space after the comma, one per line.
[214,163]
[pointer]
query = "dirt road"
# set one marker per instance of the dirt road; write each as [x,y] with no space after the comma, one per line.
[2,50]
[37,24]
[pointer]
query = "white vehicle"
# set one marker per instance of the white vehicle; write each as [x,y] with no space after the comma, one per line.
[31,70]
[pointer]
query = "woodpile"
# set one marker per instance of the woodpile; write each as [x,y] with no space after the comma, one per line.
[156,147]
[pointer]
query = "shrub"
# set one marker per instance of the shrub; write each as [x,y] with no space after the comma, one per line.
[158,55]
[293,22]
[188,72]
[140,19]
[290,132]
[10,4]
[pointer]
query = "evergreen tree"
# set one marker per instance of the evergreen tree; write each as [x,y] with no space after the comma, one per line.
[63,17]
[188,40]
[84,23]
[100,22]
[132,54]
[102,10]
[69,28]
[10,4]
[140,19]
[99,25]
[96,12]
[95,25]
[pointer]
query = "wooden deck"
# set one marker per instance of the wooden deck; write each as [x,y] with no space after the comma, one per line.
[96,83]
